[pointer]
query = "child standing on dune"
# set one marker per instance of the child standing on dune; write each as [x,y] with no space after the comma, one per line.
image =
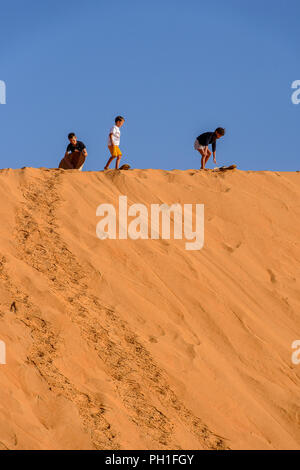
[204,140]
[114,142]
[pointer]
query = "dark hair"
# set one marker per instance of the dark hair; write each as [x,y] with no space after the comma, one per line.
[220,130]
[119,118]
[71,135]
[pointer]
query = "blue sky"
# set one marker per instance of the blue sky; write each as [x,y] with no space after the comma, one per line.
[173,68]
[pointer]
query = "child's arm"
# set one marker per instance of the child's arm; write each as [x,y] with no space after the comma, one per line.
[214,151]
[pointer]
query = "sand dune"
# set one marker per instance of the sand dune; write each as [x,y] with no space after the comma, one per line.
[141,344]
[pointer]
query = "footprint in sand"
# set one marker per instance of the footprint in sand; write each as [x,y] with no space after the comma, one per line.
[152,339]
[232,249]
[272,276]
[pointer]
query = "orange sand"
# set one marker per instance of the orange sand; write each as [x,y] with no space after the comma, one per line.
[123,344]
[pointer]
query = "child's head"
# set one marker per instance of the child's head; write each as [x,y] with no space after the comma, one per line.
[220,131]
[119,121]
[72,138]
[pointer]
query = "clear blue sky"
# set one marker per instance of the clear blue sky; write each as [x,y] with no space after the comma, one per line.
[173,68]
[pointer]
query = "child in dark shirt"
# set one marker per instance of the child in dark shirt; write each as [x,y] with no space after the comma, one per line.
[75,154]
[204,140]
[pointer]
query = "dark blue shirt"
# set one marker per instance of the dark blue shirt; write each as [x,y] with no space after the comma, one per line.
[79,146]
[208,138]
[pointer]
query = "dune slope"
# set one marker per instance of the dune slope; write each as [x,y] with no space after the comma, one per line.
[141,344]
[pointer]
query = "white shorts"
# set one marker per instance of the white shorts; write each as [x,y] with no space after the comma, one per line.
[198,146]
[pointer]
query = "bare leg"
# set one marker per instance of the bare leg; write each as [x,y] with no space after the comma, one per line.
[108,163]
[203,159]
[118,162]
[208,155]
[205,154]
